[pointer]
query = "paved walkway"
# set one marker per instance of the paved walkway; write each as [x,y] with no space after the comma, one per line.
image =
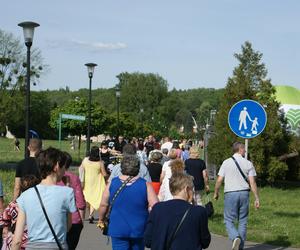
[92,239]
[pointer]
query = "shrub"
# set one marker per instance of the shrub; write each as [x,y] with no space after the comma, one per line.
[277,170]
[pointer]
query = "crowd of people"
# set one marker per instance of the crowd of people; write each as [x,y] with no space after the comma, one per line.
[147,194]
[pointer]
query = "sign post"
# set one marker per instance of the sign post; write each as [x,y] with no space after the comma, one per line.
[247,119]
[69,117]
[246,148]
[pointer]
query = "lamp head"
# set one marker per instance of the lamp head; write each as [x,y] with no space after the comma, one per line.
[91,67]
[28,30]
[118,91]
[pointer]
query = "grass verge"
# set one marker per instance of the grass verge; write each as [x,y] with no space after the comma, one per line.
[9,155]
[277,222]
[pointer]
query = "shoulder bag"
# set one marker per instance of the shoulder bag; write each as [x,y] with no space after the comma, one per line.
[239,168]
[209,206]
[47,218]
[169,243]
[106,218]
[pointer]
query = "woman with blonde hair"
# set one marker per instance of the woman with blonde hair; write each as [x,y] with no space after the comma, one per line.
[176,224]
[196,167]
[169,168]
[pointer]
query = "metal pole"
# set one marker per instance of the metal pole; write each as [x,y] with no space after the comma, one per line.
[246,148]
[205,148]
[89,120]
[142,127]
[59,132]
[27,104]
[118,116]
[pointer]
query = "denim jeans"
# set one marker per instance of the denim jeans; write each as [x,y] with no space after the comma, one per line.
[236,208]
[127,243]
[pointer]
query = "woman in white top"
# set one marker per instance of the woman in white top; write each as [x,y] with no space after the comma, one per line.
[166,173]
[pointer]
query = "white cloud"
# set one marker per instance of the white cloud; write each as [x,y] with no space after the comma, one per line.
[91,46]
[100,45]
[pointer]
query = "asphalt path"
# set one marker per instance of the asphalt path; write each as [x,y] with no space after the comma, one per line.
[92,239]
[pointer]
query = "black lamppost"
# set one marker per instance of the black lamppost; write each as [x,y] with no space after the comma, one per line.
[118,94]
[142,121]
[90,67]
[28,30]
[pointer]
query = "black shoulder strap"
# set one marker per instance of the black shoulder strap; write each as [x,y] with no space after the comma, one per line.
[117,193]
[239,168]
[169,244]
[47,218]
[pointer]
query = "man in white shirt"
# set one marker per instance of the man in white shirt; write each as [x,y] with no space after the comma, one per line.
[236,197]
[167,144]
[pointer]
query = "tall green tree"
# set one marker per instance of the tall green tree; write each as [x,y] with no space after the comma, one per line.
[139,90]
[249,81]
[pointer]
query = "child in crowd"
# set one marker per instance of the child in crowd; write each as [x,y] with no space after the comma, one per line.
[9,216]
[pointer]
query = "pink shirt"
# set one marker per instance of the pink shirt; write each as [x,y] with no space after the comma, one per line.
[79,198]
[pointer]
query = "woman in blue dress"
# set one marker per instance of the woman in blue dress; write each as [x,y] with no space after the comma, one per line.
[131,207]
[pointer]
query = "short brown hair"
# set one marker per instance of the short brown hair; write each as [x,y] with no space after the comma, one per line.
[236,146]
[28,181]
[35,144]
[47,160]
[177,166]
[179,181]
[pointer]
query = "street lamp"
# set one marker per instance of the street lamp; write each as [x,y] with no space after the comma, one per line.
[28,30]
[142,121]
[90,68]
[118,94]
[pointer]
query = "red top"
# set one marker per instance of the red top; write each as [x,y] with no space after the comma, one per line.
[74,183]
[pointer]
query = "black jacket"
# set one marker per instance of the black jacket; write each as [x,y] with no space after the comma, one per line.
[163,220]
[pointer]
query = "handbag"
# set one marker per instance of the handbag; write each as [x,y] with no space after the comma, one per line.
[105,221]
[209,207]
[47,219]
[169,243]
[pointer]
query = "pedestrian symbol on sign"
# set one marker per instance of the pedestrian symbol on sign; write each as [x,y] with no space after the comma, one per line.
[243,121]
[243,118]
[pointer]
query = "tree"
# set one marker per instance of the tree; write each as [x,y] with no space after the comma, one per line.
[249,81]
[39,115]
[13,76]
[184,118]
[100,121]
[140,90]
[13,62]
[203,113]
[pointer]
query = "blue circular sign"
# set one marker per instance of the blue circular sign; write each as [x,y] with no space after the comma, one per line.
[247,118]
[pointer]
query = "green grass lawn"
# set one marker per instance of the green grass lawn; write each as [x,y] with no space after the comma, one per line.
[9,155]
[277,222]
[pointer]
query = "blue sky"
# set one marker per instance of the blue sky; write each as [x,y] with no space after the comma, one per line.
[189,43]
